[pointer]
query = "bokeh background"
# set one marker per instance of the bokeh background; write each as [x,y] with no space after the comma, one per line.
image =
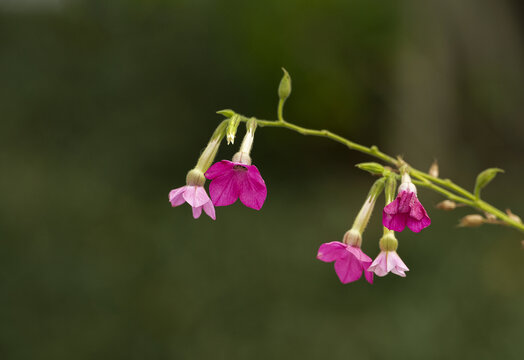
[105,105]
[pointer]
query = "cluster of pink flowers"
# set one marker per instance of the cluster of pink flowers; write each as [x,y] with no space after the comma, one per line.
[239,179]
[230,180]
[351,262]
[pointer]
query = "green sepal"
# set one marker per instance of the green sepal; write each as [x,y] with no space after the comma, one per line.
[484,178]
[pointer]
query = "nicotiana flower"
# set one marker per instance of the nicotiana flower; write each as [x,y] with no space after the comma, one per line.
[231,180]
[350,261]
[194,194]
[235,179]
[388,259]
[406,209]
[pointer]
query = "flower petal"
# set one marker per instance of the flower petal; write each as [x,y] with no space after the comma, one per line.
[379,265]
[417,211]
[417,225]
[253,191]
[224,189]
[395,222]
[197,210]
[210,210]
[219,169]
[368,275]
[392,207]
[359,254]
[176,197]
[332,251]
[348,269]
[396,265]
[406,199]
[195,196]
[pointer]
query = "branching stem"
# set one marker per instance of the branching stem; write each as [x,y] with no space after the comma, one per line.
[445,187]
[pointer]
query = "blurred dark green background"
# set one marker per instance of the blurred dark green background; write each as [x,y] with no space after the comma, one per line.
[105,105]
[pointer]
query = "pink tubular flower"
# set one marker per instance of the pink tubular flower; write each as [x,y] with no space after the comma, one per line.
[232,180]
[195,196]
[349,260]
[406,210]
[388,261]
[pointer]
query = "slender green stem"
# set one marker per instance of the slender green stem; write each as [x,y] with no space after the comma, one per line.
[372,151]
[280,110]
[444,187]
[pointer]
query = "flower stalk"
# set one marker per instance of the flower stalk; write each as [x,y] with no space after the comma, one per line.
[445,187]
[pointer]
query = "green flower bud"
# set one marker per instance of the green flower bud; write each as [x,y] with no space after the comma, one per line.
[226,112]
[284,89]
[232,126]
[371,167]
[484,178]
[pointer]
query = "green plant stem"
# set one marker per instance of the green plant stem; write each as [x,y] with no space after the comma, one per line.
[445,187]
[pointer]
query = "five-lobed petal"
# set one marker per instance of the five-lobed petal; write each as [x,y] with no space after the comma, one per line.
[350,261]
[231,181]
[388,261]
[405,210]
[195,196]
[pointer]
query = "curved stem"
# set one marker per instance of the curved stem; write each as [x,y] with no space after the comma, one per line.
[444,187]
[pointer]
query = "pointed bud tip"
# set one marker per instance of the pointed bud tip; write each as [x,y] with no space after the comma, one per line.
[433,169]
[284,88]
[226,112]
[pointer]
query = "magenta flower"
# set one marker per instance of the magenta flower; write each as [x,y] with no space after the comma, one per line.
[195,196]
[349,260]
[232,180]
[388,261]
[405,210]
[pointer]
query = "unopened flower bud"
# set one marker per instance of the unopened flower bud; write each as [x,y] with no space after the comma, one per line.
[372,167]
[472,220]
[447,205]
[433,169]
[352,237]
[284,89]
[232,126]
[513,216]
[195,177]
[484,178]
[226,112]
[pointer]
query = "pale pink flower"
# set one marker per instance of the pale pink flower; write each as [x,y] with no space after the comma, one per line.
[405,210]
[232,180]
[388,261]
[349,260]
[195,196]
